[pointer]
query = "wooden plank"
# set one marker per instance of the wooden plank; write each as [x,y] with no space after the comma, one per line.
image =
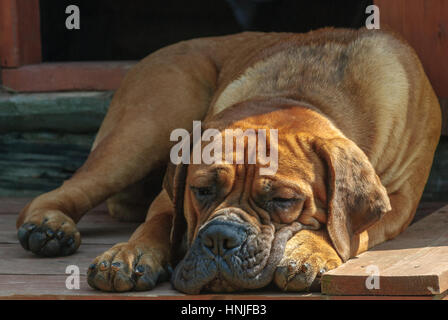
[34,114]
[45,277]
[424,23]
[9,205]
[414,263]
[53,287]
[19,261]
[96,227]
[444,106]
[12,205]
[424,209]
[74,76]
[20,41]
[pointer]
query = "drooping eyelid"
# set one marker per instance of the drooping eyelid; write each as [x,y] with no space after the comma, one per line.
[278,187]
[199,185]
[203,181]
[296,197]
[195,187]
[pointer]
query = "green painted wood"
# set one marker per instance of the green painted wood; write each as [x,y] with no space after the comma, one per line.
[46,137]
[77,112]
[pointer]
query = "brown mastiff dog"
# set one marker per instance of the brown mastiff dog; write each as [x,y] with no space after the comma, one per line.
[358,124]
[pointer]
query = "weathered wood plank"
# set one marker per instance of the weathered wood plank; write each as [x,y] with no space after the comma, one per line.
[16,261]
[19,33]
[14,205]
[444,107]
[424,23]
[99,232]
[414,263]
[96,227]
[83,76]
[45,277]
[74,112]
[53,287]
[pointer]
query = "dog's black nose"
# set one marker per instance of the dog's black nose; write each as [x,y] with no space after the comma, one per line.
[222,236]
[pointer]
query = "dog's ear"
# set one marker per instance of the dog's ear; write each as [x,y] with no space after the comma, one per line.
[174,184]
[356,197]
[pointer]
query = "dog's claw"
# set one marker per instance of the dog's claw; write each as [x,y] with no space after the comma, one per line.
[321,272]
[115,266]
[60,235]
[103,266]
[139,270]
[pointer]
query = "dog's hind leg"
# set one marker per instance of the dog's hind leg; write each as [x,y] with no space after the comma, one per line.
[167,90]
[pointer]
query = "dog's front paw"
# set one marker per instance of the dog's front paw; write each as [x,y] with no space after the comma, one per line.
[49,233]
[307,256]
[126,267]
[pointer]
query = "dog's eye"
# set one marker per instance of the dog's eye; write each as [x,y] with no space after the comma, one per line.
[203,193]
[282,204]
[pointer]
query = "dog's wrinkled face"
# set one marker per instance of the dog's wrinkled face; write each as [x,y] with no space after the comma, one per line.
[239,221]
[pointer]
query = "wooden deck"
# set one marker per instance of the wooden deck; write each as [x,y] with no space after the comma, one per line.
[25,276]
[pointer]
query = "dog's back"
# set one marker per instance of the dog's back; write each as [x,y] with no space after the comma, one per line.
[389,108]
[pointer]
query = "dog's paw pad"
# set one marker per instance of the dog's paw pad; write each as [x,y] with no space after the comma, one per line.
[50,234]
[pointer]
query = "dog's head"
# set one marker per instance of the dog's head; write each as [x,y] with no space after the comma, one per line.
[232,223]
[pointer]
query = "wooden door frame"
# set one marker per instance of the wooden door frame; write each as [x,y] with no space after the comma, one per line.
[21,65]
[424,24]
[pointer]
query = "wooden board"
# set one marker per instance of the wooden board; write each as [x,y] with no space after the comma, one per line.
[444,106]
[414,263]
[19,33]
[95,228]
[86,76]
[424,24]
[21,262]
[25,276]
[53,287]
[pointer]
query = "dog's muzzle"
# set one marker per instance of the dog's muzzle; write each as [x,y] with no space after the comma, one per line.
[229,254]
